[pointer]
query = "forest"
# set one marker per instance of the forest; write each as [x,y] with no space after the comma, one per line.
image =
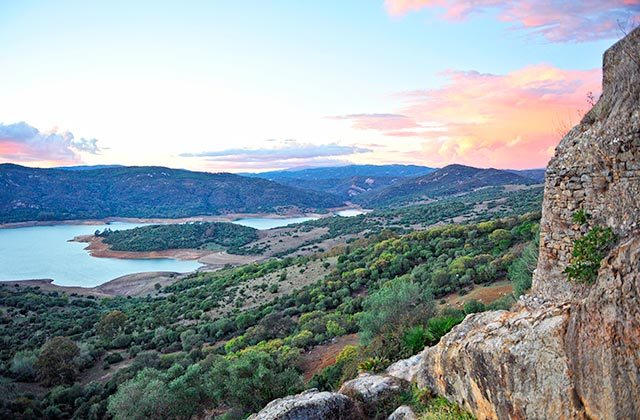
[151,356]
[179,236]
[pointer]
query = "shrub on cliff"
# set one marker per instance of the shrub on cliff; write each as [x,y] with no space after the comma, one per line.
[588,250]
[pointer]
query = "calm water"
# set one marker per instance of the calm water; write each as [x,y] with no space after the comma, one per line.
[264,223]
[44,252]
[350,212]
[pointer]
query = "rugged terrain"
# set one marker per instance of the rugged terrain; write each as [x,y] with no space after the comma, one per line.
[569,349]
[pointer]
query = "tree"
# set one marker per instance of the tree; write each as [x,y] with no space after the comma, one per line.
[111,324]
[55,365]
[145,396]
[398,305]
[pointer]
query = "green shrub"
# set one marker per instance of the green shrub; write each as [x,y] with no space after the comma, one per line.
[441,325]
[373,364]
[416,338]
[588,253]
[22,365]
[114,358]
[474,306]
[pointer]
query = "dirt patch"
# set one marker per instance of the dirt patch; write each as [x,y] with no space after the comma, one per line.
[99,374]
[221,258]
[484,294]
[47,285]
[319,357]
[139,284]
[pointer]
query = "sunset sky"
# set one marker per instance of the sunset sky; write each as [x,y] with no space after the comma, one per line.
[258,85]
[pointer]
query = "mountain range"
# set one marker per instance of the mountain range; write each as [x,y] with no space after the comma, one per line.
[87,192]
[53,194]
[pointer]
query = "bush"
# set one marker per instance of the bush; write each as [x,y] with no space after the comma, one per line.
[441,325]
[373,364]
[416,338]
[111,324]
[521,270]
[55,364]
[22,365]
[588,253]
[473,306]
[113,358]
[398,305]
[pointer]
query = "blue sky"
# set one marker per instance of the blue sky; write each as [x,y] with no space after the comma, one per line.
[154,82]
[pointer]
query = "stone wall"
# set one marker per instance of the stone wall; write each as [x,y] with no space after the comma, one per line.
[596,168]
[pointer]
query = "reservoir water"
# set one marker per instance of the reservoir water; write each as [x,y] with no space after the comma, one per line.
[44,252]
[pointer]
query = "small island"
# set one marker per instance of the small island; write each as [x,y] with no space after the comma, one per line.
[210,236]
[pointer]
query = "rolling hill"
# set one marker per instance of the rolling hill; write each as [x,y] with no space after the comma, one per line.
[348,171]
[447,181]
[345,181]
[53,194]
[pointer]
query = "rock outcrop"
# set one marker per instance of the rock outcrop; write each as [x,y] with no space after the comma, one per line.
[311,404]
[570,350]
[375,395]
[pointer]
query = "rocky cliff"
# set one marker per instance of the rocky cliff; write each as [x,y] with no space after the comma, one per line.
[568,350]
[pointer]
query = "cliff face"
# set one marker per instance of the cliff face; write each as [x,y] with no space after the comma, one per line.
[569,350]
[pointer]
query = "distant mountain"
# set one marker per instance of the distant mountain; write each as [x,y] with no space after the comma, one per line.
[450,180]
[535,174]
[341,172]
[87,167]
[55,194]
[345,181]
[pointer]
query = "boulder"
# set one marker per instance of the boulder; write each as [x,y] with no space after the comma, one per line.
[375,395]
[311,404]
[404,412]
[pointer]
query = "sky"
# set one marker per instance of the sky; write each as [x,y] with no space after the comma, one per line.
[248,86]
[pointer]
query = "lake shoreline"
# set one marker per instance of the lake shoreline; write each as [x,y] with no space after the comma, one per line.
[97,248]
[230,217]
[135,285]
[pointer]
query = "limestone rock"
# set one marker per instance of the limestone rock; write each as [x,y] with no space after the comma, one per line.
[375,395]
[311,404]
[404,412]
[405,369]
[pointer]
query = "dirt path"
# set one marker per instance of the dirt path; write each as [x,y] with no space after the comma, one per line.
[319,357]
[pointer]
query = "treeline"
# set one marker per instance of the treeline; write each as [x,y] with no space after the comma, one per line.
[179,236]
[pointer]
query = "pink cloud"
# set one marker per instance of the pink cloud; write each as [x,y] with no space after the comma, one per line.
[556,20]
[378,121]
[23,143]
[508,121]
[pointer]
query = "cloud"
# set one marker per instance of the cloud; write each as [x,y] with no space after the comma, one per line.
[21,142]
[556,20]
[285,153]
[378,121]
[510,120]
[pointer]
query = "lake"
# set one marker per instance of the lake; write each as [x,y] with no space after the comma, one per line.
[44,252]
[264,223]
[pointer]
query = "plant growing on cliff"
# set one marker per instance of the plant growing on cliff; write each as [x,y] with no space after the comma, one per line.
[588,251]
